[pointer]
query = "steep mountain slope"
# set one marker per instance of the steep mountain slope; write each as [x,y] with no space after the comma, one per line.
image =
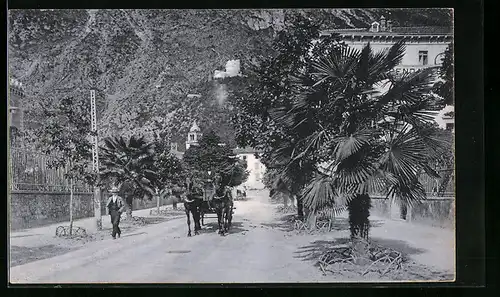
[144,63]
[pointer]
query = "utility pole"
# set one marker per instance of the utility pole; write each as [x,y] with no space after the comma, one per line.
[95,161]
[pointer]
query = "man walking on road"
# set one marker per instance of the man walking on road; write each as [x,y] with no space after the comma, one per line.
[115,207]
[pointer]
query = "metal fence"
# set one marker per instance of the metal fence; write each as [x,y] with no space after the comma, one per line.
[435,187]
[29,171]
[444,186]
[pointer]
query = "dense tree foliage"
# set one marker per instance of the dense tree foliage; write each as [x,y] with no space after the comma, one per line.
[170,170]
[268,83]
[365,129]
[214,156]
[129,163]
[339,124]
[445,86]
[65,135]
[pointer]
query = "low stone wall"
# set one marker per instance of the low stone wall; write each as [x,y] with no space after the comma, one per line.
[434,211]
[29,209]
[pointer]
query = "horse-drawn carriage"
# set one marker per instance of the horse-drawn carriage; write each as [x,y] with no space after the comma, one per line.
[209,196]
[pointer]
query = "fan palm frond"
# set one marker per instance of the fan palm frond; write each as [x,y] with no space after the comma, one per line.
[409,88]
[313,142]
[349,146]
[405,153]
[320,194]
[437,141]
[384,61]
[350,179]
[282,115]
[345,146]
[337,65]
[408,193]
[377,183]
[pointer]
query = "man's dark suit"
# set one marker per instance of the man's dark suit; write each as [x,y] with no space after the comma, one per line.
[115,209]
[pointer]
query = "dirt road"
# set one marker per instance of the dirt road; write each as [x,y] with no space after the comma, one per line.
[256,250]
[252,252]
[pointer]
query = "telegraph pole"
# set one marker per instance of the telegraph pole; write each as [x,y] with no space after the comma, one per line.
[95,161]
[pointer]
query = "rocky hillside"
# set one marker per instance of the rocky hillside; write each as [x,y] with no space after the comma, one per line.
[144,64]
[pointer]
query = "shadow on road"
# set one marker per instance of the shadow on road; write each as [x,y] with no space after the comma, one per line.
[398,245]
[319,247]
[157,220]
[20,255]
[284,223]
[123,227]
[133,234]
[236,227]
[27,235]
[178,252]
[342,224]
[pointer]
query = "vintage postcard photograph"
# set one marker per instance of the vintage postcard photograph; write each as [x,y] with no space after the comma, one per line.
[231,146]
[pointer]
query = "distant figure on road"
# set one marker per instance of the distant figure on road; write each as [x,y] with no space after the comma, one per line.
[115,207]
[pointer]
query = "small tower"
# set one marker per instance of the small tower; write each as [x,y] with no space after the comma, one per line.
[194,135]
[383,27]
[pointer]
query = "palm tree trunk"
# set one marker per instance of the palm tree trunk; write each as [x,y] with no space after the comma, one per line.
[359,212]
[300,208]
[285,200]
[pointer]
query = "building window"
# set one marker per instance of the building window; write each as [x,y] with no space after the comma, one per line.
[375,27]
[256,166]
[244,158]
[423,57]
[449,126]
[191,137]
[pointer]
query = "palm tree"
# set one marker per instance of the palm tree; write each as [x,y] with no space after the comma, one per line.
[364,129]
[130,163]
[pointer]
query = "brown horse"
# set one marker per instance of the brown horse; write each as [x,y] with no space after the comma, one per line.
[192,203]
[222,202]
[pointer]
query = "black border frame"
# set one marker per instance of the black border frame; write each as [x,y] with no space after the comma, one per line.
[470,188]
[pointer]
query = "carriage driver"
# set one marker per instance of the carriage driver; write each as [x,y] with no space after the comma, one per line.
[221,189]
[115,207]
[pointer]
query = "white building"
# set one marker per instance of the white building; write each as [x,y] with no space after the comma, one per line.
[425,47]
[254,166]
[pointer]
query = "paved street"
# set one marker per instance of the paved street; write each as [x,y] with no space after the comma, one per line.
[256,250]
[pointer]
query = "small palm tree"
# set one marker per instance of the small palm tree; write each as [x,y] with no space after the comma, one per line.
[359,129]
[129,162]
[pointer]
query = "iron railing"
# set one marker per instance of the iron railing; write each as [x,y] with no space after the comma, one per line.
[435,187]
[29,171]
